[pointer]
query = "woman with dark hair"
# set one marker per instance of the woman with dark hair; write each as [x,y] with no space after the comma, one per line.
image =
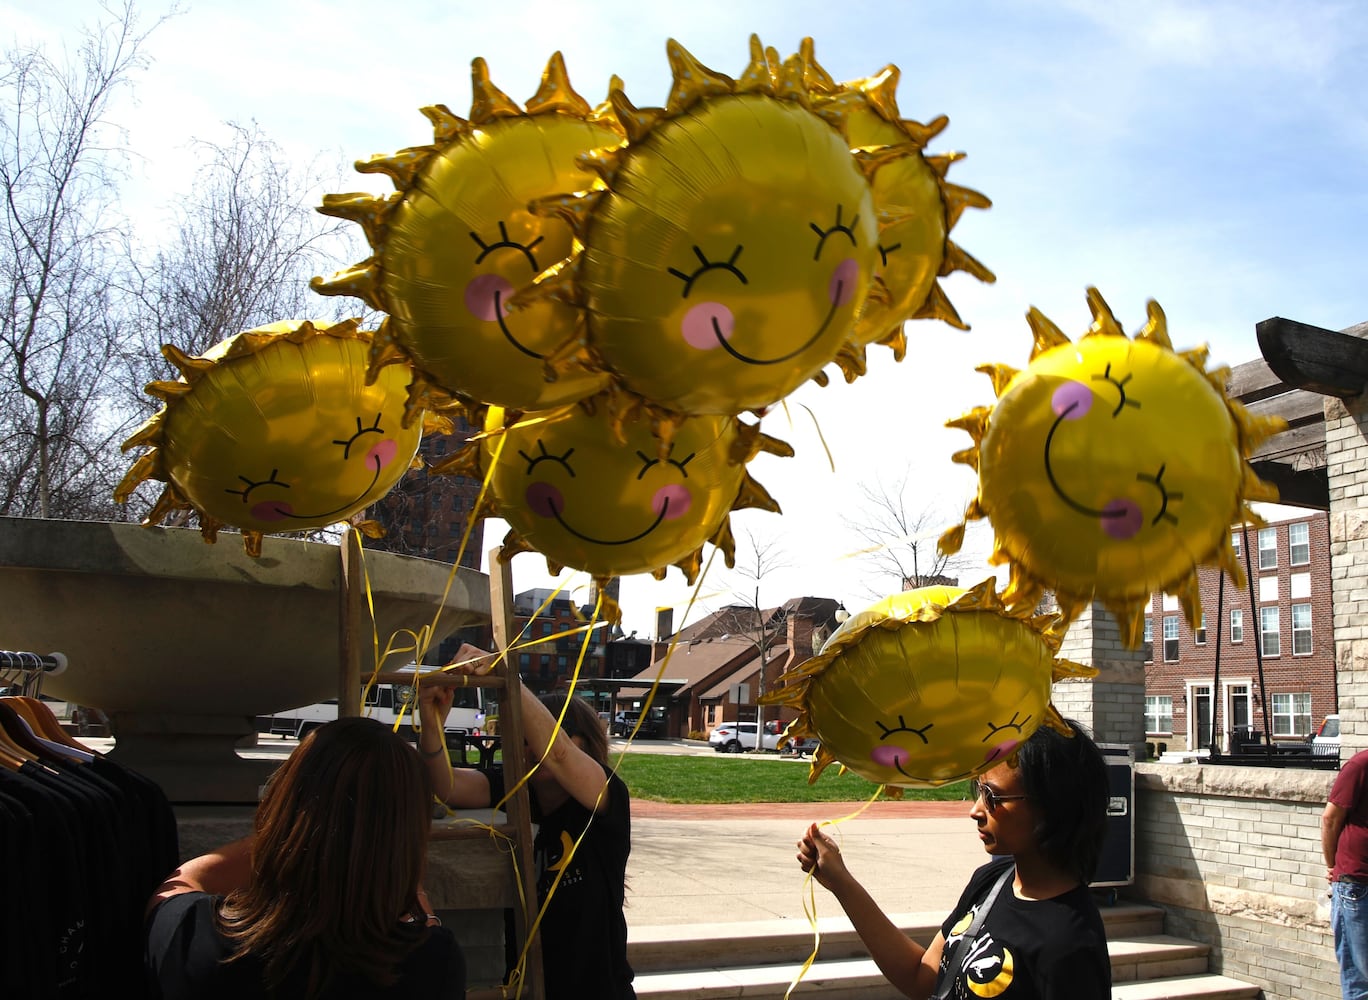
[1026,926]
[584,832]
[323,900]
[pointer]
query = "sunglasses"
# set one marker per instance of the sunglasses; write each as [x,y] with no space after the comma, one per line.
[990,796]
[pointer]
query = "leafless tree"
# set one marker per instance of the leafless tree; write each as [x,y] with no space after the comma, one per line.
[246,243]
[60,320]
[900,535]
[747,618]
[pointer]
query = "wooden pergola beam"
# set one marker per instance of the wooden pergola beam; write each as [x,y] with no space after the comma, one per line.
[1309,357]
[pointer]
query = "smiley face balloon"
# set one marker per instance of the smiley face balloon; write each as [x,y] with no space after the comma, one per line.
[572,490]
[1111,468]
[457,241]
[928,687]
[733,248]
[275,430]
[916,204]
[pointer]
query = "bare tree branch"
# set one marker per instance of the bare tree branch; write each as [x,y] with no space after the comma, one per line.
[900,534]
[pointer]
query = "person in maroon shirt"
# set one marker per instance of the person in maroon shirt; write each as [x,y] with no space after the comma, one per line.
[1344,842]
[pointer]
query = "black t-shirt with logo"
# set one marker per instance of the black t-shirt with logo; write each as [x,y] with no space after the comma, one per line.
[584,931]
[1027,949]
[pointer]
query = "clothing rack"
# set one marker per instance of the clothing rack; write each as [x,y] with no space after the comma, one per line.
[25,671]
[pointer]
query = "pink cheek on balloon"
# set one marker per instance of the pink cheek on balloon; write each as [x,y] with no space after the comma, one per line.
[841,288]
[1071,400]
[487,297]
[673,501]
[1125,521]
[1000,751]
[382,454]
[545,500]
[888,755]
[272,510]
[706,325]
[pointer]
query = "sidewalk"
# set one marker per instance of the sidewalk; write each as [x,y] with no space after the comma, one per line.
[725,864]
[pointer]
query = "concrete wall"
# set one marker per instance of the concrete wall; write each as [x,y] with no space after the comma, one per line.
[1233,856]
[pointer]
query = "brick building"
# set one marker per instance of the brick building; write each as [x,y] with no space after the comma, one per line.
[425,515]
[1289,627]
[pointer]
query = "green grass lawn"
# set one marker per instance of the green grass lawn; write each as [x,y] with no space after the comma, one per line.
[702,780]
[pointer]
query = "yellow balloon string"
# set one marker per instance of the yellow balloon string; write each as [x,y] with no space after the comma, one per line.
[808,896]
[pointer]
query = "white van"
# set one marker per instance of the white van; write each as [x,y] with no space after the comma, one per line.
[388,703]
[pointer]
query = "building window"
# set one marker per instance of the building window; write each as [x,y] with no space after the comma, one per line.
[1268,632]
[1301,630]
[524,661]
[1235,543]
[1237,625]
[562,663]
[1159,714]
[1268,588]
[1268,548]
[1292,714]
[1299,543]
[1149,639]
[1170,638]
[1199,637]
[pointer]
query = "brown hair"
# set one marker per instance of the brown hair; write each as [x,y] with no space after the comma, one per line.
[580,720]
[341,839]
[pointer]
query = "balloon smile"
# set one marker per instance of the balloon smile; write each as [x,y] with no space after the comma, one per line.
[836,303]
[664,509]
[280,510]
[508,334]
[1121,517]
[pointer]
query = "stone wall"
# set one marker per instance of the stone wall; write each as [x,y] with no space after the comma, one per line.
[1233,856]
[1346,459]
[1111,705]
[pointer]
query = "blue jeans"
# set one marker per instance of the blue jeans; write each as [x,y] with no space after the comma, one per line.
[1349,919]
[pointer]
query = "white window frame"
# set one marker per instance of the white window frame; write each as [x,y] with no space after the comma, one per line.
[1302,631]
[1171,636]
[1303,529]
[1270,536]
[1237,625]
[1149,639]
[1265,633]
[1158,710]
[1235,537]
[1199,634]
[1294,705]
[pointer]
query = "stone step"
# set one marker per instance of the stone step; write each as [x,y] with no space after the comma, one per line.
[761,959]
[767,942]
[1203,987]
[859,979]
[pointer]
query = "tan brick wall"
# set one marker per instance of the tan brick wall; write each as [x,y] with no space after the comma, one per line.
[1232,854]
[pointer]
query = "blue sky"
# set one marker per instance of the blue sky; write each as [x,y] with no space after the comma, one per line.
[1210,155]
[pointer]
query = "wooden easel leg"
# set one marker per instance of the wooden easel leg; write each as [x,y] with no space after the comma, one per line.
[515,766]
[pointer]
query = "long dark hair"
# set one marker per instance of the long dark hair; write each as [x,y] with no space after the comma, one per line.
[1066,778]
[580,720]
[341,840]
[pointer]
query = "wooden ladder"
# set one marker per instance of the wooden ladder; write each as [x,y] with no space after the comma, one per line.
[491,879]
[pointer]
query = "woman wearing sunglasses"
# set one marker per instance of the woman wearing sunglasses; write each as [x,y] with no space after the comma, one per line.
[1026,925]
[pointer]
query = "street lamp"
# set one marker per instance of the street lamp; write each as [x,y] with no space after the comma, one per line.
[841,614]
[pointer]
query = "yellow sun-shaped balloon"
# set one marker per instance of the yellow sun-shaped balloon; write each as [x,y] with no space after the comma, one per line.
[275,430]
[1111,468]
[731,252]
[928,686]
[573,490]
[917,208]
[456,241]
